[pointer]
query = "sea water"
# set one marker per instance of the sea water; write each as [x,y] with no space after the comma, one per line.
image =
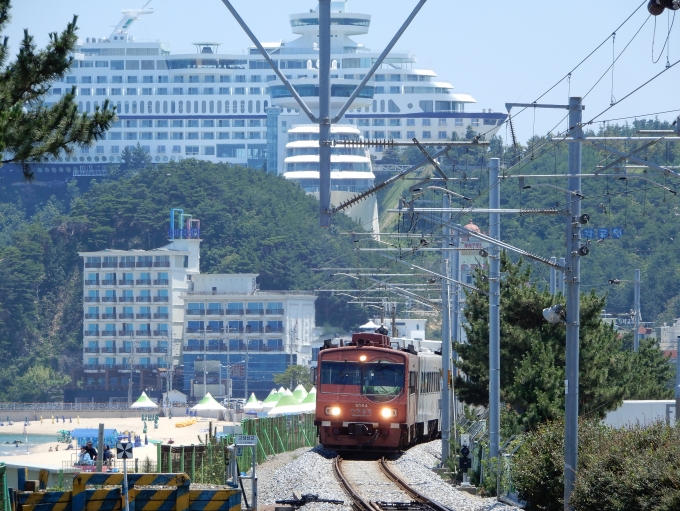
[8,448]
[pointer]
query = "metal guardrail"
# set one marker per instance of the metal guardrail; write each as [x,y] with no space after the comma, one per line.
[57,406]
[4,491]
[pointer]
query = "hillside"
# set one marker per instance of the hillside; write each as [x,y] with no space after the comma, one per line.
[250,222]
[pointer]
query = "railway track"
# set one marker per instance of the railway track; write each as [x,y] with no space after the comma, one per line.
[373,486]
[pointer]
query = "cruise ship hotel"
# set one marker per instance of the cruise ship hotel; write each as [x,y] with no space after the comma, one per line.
[232,108]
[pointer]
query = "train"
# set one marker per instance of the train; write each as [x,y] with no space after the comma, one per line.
[376,395]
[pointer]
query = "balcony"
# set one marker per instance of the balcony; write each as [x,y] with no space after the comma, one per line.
[215,312]
[91,282]
[109,316]
[234,330]
[161,264]
[126,265]
[108,299]
[160,349]
[126,282]
[91,350]
[193,348]
[91,333]
[143,282]
[108,333]
[161,315]
[144,264]
[143,315]
[91,299]
[161,282]
[254,330]
[195,312]
[234,312]
[93,265]
[160,333]
[144,349]
[126,315]
[126,333]
[108,349]
[143,299]
[145,333]
[274,312]
[126,299]
[255,312]
[125,349]
[163,299]
[110,264]
[273,329]
[108,282]
[91,316]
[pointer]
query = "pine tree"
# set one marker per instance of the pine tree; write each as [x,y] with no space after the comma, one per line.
[30,129]
[533,354]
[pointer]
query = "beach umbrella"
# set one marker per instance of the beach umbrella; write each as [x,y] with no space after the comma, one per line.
[144,402]
[208,403]
[300,393]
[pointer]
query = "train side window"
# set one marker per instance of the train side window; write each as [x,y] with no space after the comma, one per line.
[412,382]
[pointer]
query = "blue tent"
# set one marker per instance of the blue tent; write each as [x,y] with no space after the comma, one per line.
[84,435]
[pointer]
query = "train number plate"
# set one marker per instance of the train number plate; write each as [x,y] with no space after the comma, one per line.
[360,412]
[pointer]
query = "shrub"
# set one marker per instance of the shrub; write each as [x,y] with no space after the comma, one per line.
[619,469]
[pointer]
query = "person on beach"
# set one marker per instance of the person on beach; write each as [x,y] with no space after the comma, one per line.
[108,456]
[91,450]
[84,457]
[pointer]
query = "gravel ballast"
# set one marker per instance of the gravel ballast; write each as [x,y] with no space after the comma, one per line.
[310,471]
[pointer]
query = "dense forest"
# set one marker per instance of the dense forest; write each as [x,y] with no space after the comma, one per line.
[260,223]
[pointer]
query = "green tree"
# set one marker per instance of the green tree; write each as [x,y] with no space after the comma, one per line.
[133,158]
[293,376]
[31,130]
[38,384]
[533,354]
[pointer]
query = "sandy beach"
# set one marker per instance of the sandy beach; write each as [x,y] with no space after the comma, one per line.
[41,455]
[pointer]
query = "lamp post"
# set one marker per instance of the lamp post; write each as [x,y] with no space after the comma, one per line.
[636,308]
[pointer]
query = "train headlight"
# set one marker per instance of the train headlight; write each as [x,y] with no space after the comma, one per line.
[332,410]
[388,413]
[362,358]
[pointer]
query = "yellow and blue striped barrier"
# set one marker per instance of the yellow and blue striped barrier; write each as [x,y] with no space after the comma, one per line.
[82,498]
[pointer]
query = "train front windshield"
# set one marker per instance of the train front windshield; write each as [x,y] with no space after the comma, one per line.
[379,381]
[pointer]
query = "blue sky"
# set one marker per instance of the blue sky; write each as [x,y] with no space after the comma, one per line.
[498,51]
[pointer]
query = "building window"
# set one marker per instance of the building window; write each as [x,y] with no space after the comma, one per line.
[427,135]
[176,149]
[426,122]
[160,149]
[378,122]
[177,136]
[378,134]
[223,135]
[115,149]
[86,92]
[442,135]
[474,122]
[191,150]
[192,135]
[239,90]
[458,122]
[442,122]
[162,135]
[147,91]
[209,150]
[207,135]
[130,92]
[410,134]
[178,91]
[395,134]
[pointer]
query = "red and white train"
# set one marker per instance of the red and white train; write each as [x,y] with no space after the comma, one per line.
[374,395]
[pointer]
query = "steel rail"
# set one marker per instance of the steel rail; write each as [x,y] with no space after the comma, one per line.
[436,506]
[358,501]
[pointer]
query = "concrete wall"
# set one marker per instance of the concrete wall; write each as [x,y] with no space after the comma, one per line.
[34,415]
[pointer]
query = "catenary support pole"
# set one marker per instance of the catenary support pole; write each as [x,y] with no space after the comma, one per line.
[446,341]
[325,113]
[677,382]
[636,322]
[573,287]
[494,310]
[553,277]
[560,284]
